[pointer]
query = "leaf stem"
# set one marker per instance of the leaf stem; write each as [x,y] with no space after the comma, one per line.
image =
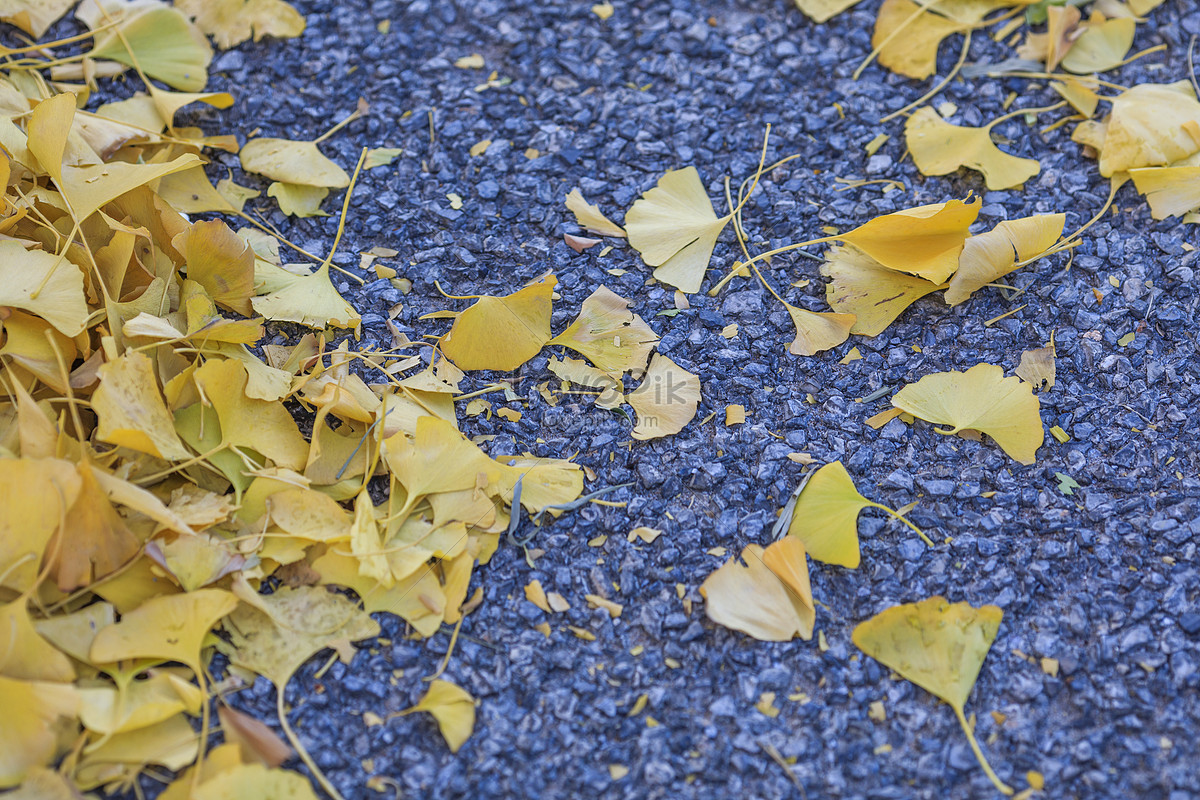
[741,264]
[1019,111]
[897,515]
[1000,785]
[329,788]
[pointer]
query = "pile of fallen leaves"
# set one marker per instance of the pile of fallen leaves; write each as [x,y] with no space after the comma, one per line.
[153,476]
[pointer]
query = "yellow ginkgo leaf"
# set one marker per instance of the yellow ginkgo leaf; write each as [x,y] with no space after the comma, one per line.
[1170,191]
[675,229]
[924,241]
[275,634]
[94,540]
[231,22]
[308,514]
[170,628]
[1151,125]
[939,646]
[309,300]
[165,46]
[195,561]
[940,148]
[825,516]
[1082,98]
[297,200]
[105,709]
[42,783]
[28,736]
[818,331]
[907,38]
[437,459]
[254,782]
[24,654]
[454,710]
[366,544]
[590,218]
[768,597]
[171,743]
[221,262]
[34,496]
[1062,23]
[43,284]
[189,192]
[980,399]
[131,410]
[417,599]
[34,16]
[873,294]
[1102,45]
[610,335]
[502,333]
[666,400]
[1038,367]
[262,426]
[992,255]
[288,161]
[73,633]
[824,10]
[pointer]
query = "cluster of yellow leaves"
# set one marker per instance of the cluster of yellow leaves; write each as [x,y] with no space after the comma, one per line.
[151,475]
[502,333]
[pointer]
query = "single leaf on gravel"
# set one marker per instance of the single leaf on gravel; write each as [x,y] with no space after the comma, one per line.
[818,331]
[824,10]
[170,628]
[825,517]
[907,37]
[231,22]
[452,707]
[590,218]
[1170,191]
[165,45]
[980,399]
[992,255]
[924,241]
[666,400]
[675,229]
[1151,125]
[940,647]
[294,162]
[768,597]
[502,333]
[1037,366]
[863,288]
[609,335]
[131,410]
[29,735]
[940,148]
[1102,45]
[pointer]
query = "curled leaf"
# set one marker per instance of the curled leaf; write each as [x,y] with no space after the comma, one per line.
[590,218]
[767,595]
[924,241]
[992,255]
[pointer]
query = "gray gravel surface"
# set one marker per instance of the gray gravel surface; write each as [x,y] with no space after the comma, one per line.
[1104,580]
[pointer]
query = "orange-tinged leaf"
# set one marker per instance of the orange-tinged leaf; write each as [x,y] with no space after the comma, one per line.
[34,16]
[980,399]
[502,333]
[254,737]
[221,262]
[28,737]
[924,241]
[131,409]
[94,540]
[34,497]
[768,597]
[171,628]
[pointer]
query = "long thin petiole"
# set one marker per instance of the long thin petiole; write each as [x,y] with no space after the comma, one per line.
[1000,785]
[329,788]
[905,520]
